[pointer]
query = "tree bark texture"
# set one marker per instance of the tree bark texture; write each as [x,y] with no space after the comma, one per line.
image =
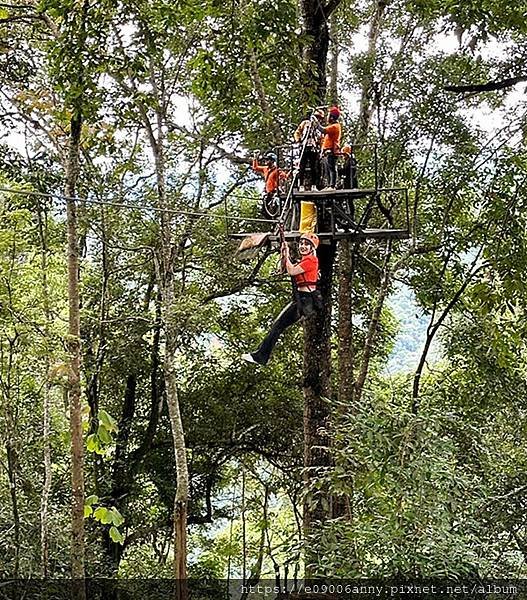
[46,401]
[333,92]
[181,497]
[317,391]
[317,330]
[168,302]
[74,388]
[315,16]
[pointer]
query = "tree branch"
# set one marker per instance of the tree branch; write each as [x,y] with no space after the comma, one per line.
[487,87]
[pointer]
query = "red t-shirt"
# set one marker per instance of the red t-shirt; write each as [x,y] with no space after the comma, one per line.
[310,275]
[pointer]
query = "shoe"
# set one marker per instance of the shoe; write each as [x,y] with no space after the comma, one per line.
[329,188]
[301,189]
[248,357]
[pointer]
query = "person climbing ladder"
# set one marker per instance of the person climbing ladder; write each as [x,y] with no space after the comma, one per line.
[306,298]
[309,136]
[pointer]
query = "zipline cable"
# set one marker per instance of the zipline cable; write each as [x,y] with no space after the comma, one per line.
[134,207]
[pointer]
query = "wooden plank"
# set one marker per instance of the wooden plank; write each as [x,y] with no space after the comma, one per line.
[351,193]
[379,234]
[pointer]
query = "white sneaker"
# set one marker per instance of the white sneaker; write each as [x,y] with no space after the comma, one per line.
[249,358]
[301,189]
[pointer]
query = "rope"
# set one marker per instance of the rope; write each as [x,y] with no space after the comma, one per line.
[134,206]
[288,203]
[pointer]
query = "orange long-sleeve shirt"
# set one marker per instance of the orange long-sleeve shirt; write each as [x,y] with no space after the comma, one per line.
[331,140]
[272,176]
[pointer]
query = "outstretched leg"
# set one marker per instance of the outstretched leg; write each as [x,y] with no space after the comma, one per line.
[287,317]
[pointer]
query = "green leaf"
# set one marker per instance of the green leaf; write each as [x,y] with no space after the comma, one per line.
[116,535]
[108,421]
[93,499]
[103,515]
[88,511]
[117,517]
[91,443]
[104,434]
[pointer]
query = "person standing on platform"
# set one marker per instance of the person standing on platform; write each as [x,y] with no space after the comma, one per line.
[331,147]
[308,136]
[348,172]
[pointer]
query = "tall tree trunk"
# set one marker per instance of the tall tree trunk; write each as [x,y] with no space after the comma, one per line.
[168,301]
[178,436]
[333,92]
[315,15]
[74,389]
[317,389]
[164,263]
[11,451]
[46,402]
[317,330]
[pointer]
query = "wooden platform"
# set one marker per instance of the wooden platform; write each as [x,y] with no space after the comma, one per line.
[336,194]
[326,237]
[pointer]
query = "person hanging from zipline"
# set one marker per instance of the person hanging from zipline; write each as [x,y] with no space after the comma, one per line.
[272,176]
[330,147]
[308,136]
[306,297]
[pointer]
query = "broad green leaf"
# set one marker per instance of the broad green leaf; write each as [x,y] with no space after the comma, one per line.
[117,518]
[104,435]
[116,535]
[108,421]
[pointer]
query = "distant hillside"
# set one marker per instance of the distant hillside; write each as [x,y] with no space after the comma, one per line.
[412,331]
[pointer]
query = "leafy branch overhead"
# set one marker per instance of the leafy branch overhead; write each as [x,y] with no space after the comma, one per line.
[385,437]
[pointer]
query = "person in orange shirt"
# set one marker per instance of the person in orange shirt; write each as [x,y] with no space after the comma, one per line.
[331,147]
[305,299]
[272,176]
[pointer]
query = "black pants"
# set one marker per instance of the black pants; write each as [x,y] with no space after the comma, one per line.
[309,160]
[349,174]
[292,313]
[329,168]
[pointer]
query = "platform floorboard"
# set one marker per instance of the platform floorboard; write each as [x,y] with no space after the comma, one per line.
[361,234]
[348,193]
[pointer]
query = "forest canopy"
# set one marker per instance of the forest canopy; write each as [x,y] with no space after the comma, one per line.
[127,135]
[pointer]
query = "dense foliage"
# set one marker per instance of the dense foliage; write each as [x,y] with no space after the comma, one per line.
[429,463]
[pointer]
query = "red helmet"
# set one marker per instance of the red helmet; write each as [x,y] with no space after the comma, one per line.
[312,238]
[334,112]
